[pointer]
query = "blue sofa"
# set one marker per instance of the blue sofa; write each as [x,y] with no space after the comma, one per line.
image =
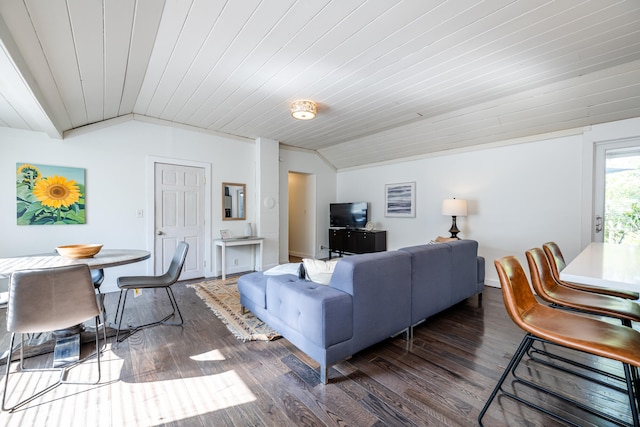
[370,298]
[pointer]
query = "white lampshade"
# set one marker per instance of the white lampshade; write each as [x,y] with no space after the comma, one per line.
[454,207]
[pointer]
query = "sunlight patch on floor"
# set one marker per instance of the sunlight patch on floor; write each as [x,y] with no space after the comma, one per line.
[180,399]
[215,392]
[123,398]
[208,356]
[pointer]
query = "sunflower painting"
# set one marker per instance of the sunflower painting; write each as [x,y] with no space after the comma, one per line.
[49,195]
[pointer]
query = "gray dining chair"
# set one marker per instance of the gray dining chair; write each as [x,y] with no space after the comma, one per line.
[97,276]
[164,281]
[47,300]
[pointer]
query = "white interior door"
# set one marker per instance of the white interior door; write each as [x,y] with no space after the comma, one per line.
[616,189]
[179,216]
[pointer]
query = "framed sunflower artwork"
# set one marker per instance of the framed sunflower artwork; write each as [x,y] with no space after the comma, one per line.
[49,195]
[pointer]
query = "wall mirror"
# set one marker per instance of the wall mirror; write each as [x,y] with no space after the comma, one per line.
[233,202]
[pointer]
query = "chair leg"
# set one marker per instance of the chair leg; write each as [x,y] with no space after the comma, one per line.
[630,373]
[550,355]
[6,375]
[524,346]
[533,351]
[63,371]
[174,304]
[6,379]
[163,321]
[120,313]
[103,316]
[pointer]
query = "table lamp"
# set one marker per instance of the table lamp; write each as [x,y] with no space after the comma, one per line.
[454,207]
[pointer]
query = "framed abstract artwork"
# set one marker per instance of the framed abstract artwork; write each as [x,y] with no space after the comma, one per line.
[49,195]
[400,200]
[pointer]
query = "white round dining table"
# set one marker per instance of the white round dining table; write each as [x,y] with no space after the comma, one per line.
[103,259]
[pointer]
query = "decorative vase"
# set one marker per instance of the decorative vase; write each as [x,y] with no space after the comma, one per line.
[248,231]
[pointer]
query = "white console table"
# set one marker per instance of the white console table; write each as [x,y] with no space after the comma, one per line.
[239,241]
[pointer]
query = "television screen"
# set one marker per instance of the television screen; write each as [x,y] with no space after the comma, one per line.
[350,215]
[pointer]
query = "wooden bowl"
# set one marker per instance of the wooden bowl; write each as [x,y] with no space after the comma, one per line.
[79,251]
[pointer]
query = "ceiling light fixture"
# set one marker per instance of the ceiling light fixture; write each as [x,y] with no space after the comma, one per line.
[303,109]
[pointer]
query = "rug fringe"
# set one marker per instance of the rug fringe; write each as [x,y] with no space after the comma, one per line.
[223,299]
[225,321]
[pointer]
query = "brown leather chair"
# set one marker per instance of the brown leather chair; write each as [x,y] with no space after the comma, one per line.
[47,300]
[554,254]
[563,328]
[555,292]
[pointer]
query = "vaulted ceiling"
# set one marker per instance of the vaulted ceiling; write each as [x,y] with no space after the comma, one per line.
[392,79]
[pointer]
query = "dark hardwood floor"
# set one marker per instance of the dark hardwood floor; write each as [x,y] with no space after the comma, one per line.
[200,375]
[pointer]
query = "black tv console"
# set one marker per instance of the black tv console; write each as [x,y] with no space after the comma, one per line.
[356,241]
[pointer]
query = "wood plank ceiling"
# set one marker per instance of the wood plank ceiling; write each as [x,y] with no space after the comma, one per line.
[392,79]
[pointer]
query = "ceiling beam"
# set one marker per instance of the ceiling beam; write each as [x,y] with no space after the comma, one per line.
[21,90]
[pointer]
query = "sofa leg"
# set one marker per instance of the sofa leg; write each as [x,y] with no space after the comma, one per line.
[409,333]
[243,310]
[324,374]
[480,299]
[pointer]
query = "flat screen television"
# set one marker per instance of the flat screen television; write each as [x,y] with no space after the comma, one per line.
[349,215]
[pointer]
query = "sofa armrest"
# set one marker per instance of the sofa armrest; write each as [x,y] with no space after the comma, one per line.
[480,269]
[321,314]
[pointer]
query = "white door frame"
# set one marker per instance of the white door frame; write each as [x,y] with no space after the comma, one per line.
[601,148]
[150,215]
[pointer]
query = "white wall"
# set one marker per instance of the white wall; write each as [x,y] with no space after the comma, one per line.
[519,196]
[115,160]
[267,199]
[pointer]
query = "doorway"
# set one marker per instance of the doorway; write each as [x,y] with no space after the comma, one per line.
[302,215]
[617,192]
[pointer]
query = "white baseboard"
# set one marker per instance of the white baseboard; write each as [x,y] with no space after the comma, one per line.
[492,282]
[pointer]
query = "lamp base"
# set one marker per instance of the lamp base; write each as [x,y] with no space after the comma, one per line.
[454,229]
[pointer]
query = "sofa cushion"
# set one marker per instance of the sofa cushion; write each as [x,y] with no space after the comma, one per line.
[380,284]
[431,279]
[443,275]
[253,287]
[323,315]
[464,275]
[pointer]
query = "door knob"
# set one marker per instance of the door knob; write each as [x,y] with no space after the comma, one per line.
[159,233]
